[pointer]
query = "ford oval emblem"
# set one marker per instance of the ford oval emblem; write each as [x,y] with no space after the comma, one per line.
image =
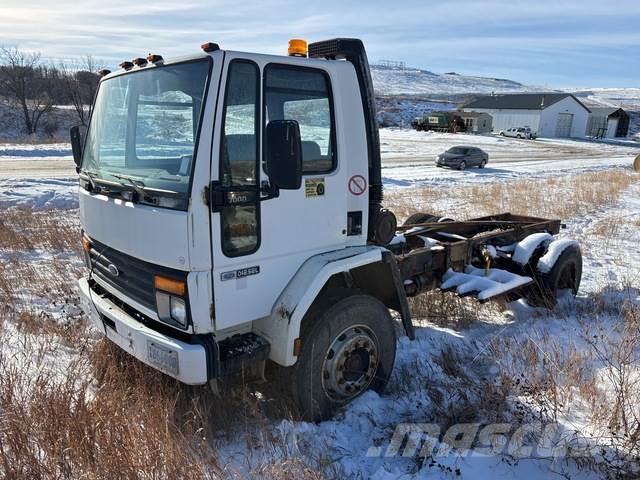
[113,270]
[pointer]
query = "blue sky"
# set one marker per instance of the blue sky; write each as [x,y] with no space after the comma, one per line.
[561,43]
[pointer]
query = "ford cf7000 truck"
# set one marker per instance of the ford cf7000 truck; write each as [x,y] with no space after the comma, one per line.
[232,217]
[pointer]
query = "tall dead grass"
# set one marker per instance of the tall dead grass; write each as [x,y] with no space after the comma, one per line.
[589,381]
[75,407]
[554,197]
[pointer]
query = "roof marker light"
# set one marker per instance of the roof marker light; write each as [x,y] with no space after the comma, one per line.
[139,62]
[154,58]
[210,47]
[104,72]
[126,65]
[297,47]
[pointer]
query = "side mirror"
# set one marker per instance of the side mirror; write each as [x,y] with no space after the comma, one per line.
[77,142]
[284,154]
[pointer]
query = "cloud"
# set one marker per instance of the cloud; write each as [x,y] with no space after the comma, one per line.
[493,37]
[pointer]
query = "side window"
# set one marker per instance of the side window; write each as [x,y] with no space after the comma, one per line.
[239,159]
[304,95]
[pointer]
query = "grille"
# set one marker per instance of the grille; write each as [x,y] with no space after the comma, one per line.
[134,278]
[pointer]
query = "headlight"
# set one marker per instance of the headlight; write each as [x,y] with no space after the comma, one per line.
[170,302]
[171,309]
[178,310]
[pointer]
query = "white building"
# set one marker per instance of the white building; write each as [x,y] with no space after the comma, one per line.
[547,114]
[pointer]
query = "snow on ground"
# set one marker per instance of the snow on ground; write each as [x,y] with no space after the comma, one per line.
[357,442]
[39,193]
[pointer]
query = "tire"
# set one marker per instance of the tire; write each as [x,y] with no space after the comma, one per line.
[482,164]
[565,274]
[421,217]
[519,136]
[502,134]
[357,331]
[462,165]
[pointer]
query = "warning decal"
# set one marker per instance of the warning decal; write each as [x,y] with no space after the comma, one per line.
[357,184]
[314,187]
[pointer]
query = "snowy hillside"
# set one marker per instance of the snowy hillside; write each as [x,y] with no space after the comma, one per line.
[627,98]
[396,81]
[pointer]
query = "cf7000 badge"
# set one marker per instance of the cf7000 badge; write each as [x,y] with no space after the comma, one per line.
[241,273]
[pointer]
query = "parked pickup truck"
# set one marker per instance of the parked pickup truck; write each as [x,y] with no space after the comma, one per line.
[520,132]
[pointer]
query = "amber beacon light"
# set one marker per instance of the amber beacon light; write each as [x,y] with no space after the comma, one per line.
[297,47]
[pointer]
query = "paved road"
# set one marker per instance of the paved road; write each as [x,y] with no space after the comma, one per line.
[407,156]
[36,168]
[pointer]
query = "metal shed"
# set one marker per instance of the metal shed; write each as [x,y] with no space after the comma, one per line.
[608,123]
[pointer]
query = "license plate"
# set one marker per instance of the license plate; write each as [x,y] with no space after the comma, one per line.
[163,358]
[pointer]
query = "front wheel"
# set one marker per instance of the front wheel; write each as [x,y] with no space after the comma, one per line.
[483,163]
[347,349]
[462,165]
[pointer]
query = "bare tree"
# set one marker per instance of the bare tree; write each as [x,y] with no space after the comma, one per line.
[81,83]
[26,83]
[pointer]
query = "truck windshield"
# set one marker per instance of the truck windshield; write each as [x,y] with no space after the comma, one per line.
[144,129]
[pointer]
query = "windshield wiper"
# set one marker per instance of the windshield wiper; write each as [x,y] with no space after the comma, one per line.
[91,176]
[138,186]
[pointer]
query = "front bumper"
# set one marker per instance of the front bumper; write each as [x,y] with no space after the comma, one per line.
[188,361]
[448,163]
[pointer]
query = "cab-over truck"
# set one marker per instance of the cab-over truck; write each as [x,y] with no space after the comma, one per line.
[232,213]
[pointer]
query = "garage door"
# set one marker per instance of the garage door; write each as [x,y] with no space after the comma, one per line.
[563,127]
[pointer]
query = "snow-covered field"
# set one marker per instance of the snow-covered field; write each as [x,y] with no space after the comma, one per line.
[472,366]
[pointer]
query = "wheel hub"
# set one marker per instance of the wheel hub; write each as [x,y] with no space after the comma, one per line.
[350,363]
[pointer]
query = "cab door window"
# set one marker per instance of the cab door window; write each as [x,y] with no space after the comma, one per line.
[304,95]
[239,160]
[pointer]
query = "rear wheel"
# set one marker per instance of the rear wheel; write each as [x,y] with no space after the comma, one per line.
[564,275]
[483,163]
[462,165]
[420,217]
[347,349]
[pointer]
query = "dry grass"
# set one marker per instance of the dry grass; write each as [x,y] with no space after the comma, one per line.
[553,197]
[24,230]
[74,427]
[75,407]
[449,310]
[595,373]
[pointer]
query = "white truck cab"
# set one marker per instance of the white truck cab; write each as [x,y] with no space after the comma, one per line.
[231,212]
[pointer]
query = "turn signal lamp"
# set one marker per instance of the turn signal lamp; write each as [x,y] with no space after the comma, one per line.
[170,285]
[86,243]
[297,48]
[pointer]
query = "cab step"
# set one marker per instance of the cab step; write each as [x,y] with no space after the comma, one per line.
[243,357]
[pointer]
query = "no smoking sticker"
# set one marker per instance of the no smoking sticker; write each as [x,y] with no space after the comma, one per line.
[357,184]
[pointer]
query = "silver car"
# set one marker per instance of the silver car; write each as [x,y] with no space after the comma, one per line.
[461,157]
